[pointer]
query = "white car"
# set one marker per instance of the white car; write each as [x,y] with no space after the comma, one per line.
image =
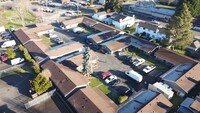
[17,61]
[138,62]
[52,35]
[149,68]
[110,79]
[78,30]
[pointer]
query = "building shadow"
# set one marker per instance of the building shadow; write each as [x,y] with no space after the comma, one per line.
[4,109]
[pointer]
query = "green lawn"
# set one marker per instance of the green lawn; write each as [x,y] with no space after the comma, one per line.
[176,101]
[111,93]
[94,82]
[11,19]
[104,89]
[165,6]
[47,40]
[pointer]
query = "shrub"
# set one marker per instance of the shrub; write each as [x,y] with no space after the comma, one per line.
[27,55]
[36,68]
[21,48]
[10,53]
[32,61]
[40,84]
[122,99]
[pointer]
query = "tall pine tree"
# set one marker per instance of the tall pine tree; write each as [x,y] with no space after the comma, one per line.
[117,5]
[194,6]
[87,69]
[179,28]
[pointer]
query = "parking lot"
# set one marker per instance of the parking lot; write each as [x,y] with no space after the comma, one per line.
[4,62]
[117,65]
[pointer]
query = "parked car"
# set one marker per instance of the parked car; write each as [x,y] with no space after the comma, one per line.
[110,79]
[69,14]
[48,10]
[134,75]
[105,75]
[51,5]
[10,43]
[17,61]
[7,37]
[138,62]
[3,57]
[149,68]
[78,30]
[59,41]
[52,35]
[5,34]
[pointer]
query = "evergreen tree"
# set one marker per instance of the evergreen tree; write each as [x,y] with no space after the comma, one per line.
[193,5]
[179,28]
[114,5]
[87,69]
[117,5]
[40,84]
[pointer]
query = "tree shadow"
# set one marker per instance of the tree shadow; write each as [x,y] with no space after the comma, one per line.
[19,81]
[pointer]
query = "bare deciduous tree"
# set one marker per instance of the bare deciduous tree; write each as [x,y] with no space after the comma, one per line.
[20,9]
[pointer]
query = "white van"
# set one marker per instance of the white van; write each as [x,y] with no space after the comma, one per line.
[17,61]
[134,75]
[8,44]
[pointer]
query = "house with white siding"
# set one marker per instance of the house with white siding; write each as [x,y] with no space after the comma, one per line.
[100,16]
[152,31]
[122,21]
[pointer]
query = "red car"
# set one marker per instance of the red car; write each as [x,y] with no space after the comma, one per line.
[106,74]
[3,57]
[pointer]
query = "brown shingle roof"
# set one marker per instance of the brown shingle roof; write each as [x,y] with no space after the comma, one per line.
[35,51]
[92,100]
[39,29]
[119,44]
[143,44]
[117,17]
[63,77]
[172,57]
[89,22]
[102,27]
[190,78]
[22,36]
[105,36]
[196,104]
[158,105]
[78,59]
[25,34]
[73,21]
[65,49]
[43,46]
